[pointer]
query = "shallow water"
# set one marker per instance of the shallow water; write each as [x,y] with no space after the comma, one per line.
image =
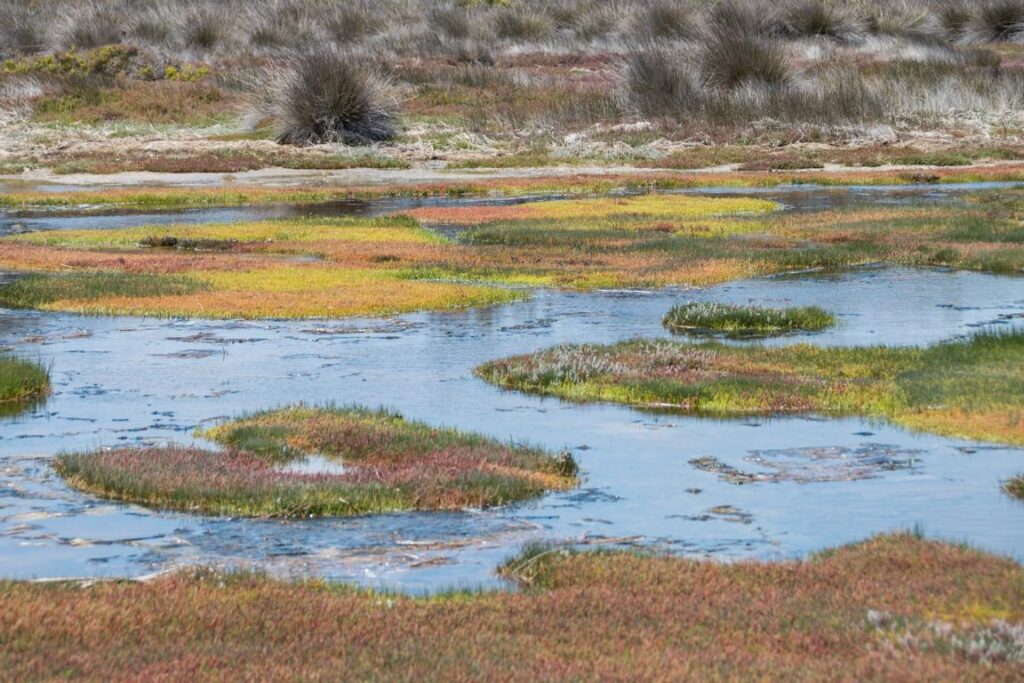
[790,197]
[135,381]
[808,483]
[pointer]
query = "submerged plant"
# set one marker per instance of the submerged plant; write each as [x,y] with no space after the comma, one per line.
[1015,487]
[328,96]
[745,321]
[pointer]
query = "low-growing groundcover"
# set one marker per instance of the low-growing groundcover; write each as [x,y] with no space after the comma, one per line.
[21,380]
[744,321]
[335,267]
[971,388]
[893,607]
[379,463]
[298,268]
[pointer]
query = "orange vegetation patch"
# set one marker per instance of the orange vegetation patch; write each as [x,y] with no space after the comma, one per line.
[29,257]
[891,608]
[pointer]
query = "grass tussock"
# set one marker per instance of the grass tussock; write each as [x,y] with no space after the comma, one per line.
[745,321]
[21,380]
[817,64]
[381,463]
[967,388]
[1015,487]
[329,96]
[893,607]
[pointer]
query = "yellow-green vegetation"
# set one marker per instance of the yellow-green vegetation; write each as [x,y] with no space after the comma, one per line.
[236,270]
[21,381]
[257,235]
[263,269]
[378,462]
[893,607]
[698,318]
[649,206]
[971,388]
[351,266]
[1015,487]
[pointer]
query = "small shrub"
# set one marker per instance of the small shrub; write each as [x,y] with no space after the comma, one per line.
[326,96]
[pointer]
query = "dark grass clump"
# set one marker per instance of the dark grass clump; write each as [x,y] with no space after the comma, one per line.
[522,25]
[745,321]
[91,23]
[22,32]
[668,21]
[379,462]
[1015,487]
[38,290]
[660,84]
[351,23]
[732,59]
[743,18]
[997,21]
[908,19]
[817,19]
[205,27]
[21,380]
[454,22]
[326,96]
[954,17]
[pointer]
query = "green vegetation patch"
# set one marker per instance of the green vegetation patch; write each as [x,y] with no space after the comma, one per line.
[895,606]
[971,388]
[42,289]
[745,321]
[21,380]
[303,461]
